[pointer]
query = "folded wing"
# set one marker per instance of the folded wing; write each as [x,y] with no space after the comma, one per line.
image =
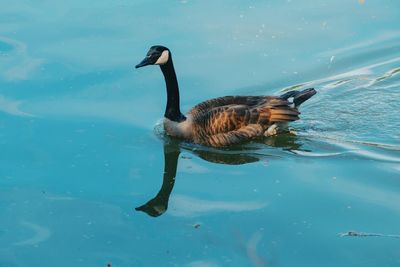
[229,120]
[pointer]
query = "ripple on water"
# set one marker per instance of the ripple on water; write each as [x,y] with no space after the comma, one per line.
[15,61]
[5,47]
[360,108]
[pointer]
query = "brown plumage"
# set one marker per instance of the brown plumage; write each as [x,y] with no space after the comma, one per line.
[232,119]
[225,120]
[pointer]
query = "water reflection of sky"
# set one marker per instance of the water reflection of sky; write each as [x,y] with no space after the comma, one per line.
[79,152]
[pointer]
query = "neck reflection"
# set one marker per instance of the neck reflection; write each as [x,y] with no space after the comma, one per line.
[158,205]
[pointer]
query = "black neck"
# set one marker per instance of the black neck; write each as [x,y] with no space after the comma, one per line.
[172,110]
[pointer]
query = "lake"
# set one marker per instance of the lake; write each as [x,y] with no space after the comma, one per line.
[88,178]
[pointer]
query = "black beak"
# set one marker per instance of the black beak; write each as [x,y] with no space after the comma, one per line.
[145,62]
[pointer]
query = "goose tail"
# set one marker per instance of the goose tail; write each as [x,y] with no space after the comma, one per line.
[299,97]
[283,114]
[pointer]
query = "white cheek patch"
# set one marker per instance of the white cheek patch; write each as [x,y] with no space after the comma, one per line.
[163,58]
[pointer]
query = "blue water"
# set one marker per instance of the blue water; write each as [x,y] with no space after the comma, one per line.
[81,144]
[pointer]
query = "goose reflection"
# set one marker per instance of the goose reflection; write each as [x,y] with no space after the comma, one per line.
[238,155]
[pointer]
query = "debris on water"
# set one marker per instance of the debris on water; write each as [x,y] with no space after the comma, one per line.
[197,225]
[363,234]
[361,2]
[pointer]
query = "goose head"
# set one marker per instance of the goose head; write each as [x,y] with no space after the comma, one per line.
[157,55]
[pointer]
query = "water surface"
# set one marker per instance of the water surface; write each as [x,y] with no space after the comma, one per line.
[81,145]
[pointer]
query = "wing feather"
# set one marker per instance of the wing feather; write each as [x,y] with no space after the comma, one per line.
[233,137]
[232,119]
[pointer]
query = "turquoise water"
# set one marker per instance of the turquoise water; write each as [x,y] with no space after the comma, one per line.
[81,145]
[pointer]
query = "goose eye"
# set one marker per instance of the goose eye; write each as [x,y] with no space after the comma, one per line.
[154,56]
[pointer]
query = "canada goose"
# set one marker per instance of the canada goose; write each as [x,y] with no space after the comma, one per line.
[225,120]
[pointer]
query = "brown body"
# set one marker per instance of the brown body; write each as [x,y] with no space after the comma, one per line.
[232,119]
